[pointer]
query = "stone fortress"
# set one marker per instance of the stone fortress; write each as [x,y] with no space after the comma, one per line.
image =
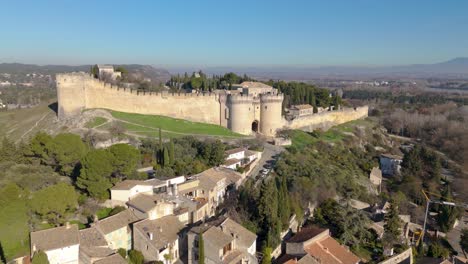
[249,108]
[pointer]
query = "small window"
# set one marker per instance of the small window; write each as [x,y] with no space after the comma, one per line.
[265,107]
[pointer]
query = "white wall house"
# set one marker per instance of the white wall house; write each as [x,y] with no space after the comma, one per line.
[60,244]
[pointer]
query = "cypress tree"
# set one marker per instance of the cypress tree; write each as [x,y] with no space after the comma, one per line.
[201,250]
[171,152]
[166,160]
[392,226]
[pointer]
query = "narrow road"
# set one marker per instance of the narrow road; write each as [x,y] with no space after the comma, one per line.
[269,156]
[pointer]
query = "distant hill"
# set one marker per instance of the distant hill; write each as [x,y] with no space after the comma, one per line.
[455,68]
[146,71]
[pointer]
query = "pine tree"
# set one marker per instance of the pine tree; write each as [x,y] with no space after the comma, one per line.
[448,214]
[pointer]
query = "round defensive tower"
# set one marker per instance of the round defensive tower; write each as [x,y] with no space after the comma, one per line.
[71,91]
[270,113]
[240,113]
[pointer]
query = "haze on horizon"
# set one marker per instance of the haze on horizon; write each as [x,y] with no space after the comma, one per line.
[235,33]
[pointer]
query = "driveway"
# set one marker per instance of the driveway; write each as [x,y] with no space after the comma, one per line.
[269,156]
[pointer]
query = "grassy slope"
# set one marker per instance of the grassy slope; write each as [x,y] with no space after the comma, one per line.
[97,121]
[16,123]
[14,230]
[300,138]
[151,123]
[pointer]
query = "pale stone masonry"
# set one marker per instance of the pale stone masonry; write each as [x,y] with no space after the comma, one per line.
[253,108]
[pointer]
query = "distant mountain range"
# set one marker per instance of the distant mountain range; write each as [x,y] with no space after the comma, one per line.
[455,68]
[452,69]
[145,71]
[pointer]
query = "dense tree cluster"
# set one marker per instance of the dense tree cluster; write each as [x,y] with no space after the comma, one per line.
[303,93]
[200,81]
[183,156]
[101,168]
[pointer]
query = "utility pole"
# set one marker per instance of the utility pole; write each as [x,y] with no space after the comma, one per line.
[437,202]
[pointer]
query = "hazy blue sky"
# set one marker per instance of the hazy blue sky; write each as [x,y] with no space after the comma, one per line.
[289,32]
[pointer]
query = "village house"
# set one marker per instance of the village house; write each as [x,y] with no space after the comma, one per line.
[125,190]
[112,259]
[93,246]
[149,206]
[116,229]
[210,186]
[158,239]
[60,244]
[301,110]
[317,243]
[239,157]
[224,240]
[107,71]
[390,164]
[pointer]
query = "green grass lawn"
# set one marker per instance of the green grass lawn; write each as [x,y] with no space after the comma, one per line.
[153,123]
[14,229]
[300,138]
[97,121]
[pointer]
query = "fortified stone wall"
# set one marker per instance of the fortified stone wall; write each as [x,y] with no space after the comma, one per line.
[328,119]
[240,113]
[80,91]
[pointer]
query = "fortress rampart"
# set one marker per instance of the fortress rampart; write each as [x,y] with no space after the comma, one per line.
[242,113]
[327,119]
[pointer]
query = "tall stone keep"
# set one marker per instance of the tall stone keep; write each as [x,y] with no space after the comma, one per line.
[71,94]
[270,113]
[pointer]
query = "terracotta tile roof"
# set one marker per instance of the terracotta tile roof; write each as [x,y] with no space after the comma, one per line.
[244,238]
[113,259]
[215,237]
[306,233]
[91,237]
[234,150]
[55,238]
[96,252]
[302,106]
[129,184]
[230,162]
[328,250]
[115,222]
[144,202]
[254,85]
[165,230]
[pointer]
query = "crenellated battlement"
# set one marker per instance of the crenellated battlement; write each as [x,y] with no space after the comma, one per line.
[243,113]
[271,98]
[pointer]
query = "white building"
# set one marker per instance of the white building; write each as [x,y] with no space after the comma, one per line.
[60,244]
[239,157]
[107,71]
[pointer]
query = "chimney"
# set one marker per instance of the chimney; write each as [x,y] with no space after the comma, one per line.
[150,235]
[160,229]
[67,225]
[34,248]
[175,191]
